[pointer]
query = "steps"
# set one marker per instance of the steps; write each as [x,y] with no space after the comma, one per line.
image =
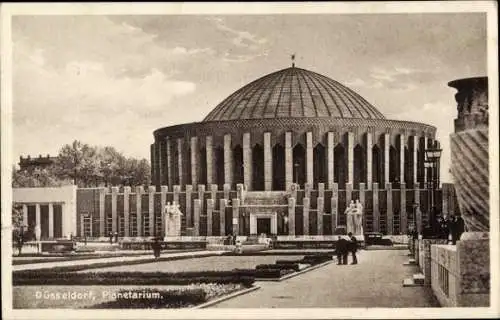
[416,281]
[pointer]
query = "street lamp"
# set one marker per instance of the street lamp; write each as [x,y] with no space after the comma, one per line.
[432,159]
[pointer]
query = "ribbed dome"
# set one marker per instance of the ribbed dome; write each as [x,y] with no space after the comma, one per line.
[294,93]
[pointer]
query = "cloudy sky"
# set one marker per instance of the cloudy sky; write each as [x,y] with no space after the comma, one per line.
[113,80]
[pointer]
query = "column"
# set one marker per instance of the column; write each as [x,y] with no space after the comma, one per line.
[228,160]
[179,161]
[268,162]
[188,213]
[51,220]
[25,215]
[402,158]
[196,218]
[369,160]
[138,202]
[102,195]
[415,162]
[169,162]
[335,206]
[210,154]
[390,213]
[159,160]
[194,161]
[151,209]
[330,159]
[403,219]
[126,210]
[38,221]
[236,216]
[154,161]
[210,208]
[362,190]
[291,216]
[305,214]
[418,223]
[222,220]
[350,157]
[114,192]
[201,195]
[386,157]
[426,142]
[376,212]
[288,160]
[309,159]
[247,161]
[348,194]
[320,207]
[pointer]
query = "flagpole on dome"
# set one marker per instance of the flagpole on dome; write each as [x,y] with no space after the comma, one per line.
[293,60]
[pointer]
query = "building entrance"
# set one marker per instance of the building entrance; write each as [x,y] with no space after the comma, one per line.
[264,226]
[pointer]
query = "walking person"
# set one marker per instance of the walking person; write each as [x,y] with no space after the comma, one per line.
[341,250]
[353,247]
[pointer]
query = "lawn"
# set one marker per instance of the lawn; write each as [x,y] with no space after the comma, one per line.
[218,263]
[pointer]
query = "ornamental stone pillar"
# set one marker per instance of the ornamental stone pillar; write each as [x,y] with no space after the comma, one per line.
[369,160]
[403,218]
[179,161]
[188,213]
[169,162]
[288,160]
[309,159]
[114,218]
[334,203]
[247,161]
[210,209]
[139,191]
[291,216]
[320,207]
[194,161]
[236,216]
[102,195]
[390,212]
[222,219]
[305,216]
[386,157]
[415,161]
[402,158]
[228,160]
[376,212]
[350,157]
[210,154]
[51,221]
[126,210]
[268,162]
[151,208]
[330,159]
[196,218]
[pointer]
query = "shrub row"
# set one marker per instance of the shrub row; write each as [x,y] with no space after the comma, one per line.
[316,259]
[287,266]
[154,299]
[271,273]
[34,277]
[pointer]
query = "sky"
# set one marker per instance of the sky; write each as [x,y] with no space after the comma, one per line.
[113,80]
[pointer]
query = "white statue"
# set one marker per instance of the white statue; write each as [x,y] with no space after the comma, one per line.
[172,220]
[354,217]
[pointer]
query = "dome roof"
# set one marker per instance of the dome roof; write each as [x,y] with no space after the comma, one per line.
[293,93]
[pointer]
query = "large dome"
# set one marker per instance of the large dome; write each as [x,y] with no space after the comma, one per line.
[294,93]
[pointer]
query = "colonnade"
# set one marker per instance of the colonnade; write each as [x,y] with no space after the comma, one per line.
[268,165]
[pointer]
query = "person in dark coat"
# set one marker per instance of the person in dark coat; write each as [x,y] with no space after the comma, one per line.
[156,246]
[353,247]
[341,250]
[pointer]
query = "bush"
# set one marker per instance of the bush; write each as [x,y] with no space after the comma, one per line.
[264,273]
[294,266]
[316,259]
[35,277]
[154,299]
[288,261]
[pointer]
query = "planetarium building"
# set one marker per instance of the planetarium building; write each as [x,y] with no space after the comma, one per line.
[292,126]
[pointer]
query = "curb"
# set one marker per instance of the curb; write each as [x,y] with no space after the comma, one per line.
[226,297]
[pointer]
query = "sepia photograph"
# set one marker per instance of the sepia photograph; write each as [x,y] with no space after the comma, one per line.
[280,160]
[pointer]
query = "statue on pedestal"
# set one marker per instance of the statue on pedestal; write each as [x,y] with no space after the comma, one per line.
[354,217]
[172,220]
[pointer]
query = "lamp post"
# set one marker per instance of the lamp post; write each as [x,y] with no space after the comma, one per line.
[432,160]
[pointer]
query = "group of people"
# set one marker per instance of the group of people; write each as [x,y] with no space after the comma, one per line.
[344,247]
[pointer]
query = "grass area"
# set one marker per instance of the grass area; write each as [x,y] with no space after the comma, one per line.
[76,297]
[218,263]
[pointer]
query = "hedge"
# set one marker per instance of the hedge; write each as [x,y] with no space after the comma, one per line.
[287,266]
[264,273]
[35,277]
[155,299]
[289,261]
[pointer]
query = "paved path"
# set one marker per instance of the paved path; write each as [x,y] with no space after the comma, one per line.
[375,282]
[49,264]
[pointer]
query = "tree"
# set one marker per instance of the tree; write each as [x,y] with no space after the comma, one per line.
[18,231]
[37,177]
[79,162]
